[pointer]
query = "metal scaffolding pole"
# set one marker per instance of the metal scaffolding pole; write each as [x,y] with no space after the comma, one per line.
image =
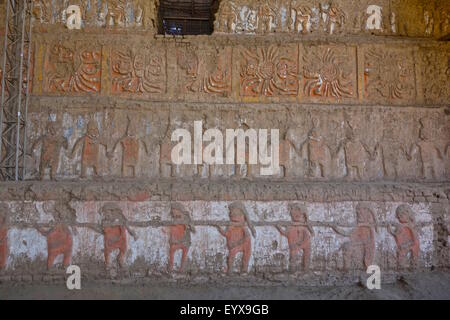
[15,88]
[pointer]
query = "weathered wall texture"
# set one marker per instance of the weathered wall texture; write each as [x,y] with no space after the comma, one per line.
[362,106]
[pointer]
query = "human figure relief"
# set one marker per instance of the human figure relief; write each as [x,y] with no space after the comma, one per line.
[116,14]
[332,17]
[59,233]
[238,237]
[430,154]
[130,149]
[429,22]
[90,144]
[318,152]
[4,221]
[301,18]
[406,237]
[42,11]
[266,15]
[149,14]
[114,227]
[52,143]
[357,153]
[361,246]
[391,148]
[226,17]
[179,234]
[298,234]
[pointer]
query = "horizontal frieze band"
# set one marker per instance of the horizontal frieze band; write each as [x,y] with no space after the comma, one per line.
[179,190]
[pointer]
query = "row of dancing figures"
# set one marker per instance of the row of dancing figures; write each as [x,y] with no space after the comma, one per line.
[114,226]
[52,143]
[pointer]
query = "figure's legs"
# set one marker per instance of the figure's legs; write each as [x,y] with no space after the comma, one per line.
[247,251]
[68,254]
[304,25]
[84,168]
[415,255]
[53,169]
[3,253]
[122,252]
[322,170]
[428,171]
[107,254]
[230,260]
[183,256]
[293,258]
[347,254]
[172,250]
[296,24]
[306,256]
[52,254]
[354,172]
[401,257]
[230,23]
[94,169]
[42,167]
[267,25]
[368,255]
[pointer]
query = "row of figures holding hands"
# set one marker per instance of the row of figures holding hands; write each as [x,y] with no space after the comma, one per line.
[358,249]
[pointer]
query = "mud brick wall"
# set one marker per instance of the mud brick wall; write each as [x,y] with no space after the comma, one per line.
[363,114]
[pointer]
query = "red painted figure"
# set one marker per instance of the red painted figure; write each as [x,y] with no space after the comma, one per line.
[52,143]
[59,234]
[90,142]
[114,229]
[405,236]
[130,150]
[238,238]
[299,236]
[179,234]
[4,210]
[361,247]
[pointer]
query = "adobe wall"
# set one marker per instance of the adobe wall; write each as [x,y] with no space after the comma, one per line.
[363,116]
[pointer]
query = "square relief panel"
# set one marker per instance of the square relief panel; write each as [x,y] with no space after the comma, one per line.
[72,68]
[203,71]
[328,73]
[269,71]
[138,71]
[388,75]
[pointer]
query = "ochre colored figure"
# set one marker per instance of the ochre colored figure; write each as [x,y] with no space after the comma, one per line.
[114,229]
[405,236]
[299,236]
[59,234]
[361,247]
[226,18]
[357,154]
[302,18]
[432,157]
[336,18]
[238,237]
[116,12]
[52,143]
[318,152]
[90,142]
[179,234]
[130,150]
[265,16]
[4,215]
